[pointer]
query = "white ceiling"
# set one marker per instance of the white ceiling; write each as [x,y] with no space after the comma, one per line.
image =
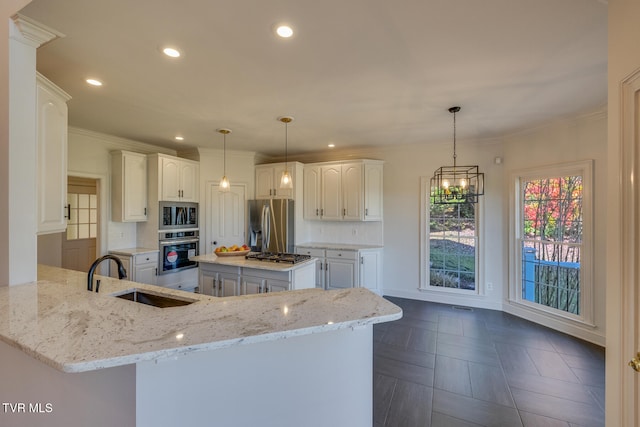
[357,73]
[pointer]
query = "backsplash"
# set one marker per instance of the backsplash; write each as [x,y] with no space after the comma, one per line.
[361,233]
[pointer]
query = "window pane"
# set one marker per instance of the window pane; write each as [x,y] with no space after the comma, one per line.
[83,216]
[83,231]
[83,201]
[72,232]
[551,232]
[452,243]
[93,201]
[72,199]
[93,230]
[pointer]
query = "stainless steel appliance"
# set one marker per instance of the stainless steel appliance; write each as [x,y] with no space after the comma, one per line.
[178,215]
[176,247]
[288,258]
[271,225]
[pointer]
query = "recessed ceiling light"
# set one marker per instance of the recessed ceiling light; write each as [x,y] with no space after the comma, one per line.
[94,82]
[331,145]
[284,31]
[179,138]
[169,51]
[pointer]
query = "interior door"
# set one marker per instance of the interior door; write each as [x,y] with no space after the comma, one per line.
[623,302]
[79,242]
[225,217]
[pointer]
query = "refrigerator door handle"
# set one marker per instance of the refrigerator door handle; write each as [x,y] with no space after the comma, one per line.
[266,227]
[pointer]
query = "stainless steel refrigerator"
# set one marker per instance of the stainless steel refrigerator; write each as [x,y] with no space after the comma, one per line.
[271,225]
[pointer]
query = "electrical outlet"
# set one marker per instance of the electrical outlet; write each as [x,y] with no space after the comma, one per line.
[354,232]
[489,286]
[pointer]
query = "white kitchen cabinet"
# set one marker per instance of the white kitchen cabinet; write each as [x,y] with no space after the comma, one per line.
[141,265]
[128,186]
[178,179]
[346,268]
[268,180]
[343,191]
[252,285]
[51,134]
[277,285]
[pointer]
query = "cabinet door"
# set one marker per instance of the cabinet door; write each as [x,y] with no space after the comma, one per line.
[228,285]
[331,195]
[373,182]
[352,197]
[312,185]
[134,187]
[189,177]
[147,273]
[264,182]
[252,285]
[127,263]
[341,273]
[277,285]
[52,159]
[208,282]
[369,262]
[170,180]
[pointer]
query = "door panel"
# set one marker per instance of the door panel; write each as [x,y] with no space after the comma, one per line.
[79,242]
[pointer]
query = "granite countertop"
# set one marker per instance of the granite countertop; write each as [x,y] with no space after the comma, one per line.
[337,246]
[240,261]
[133,251]
[57,321]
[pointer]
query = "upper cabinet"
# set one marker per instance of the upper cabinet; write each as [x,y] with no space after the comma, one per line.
[343,191]
[268,180]
[128,186]
[51,104]
[178,179]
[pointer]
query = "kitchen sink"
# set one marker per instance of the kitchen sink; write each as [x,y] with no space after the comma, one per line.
[154,298]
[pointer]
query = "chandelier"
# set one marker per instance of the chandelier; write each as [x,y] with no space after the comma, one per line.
[456,184]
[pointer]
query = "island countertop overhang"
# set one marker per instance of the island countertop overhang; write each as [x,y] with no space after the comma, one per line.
[57,321]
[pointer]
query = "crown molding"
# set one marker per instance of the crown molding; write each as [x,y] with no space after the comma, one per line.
[32,32]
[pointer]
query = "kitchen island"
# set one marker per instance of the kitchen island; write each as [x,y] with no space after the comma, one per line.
[278,359]
[224,276]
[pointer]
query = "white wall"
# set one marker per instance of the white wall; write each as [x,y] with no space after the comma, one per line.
[581,138]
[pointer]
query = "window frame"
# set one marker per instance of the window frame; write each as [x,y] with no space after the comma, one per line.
[585,169]
[425,252]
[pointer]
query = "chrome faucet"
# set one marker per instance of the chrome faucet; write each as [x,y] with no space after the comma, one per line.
[122,273]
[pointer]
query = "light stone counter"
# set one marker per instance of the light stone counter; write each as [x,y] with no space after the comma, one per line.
[337,246]
[240,261]
[57,321]
[133,251]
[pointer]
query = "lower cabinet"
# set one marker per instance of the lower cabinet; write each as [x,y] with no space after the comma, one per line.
[224,281]
[141,267]
[346,268]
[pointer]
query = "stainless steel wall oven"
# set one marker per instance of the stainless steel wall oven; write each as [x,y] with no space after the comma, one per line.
[176,247]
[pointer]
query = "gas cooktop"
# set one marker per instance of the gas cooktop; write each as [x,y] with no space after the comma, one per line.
[277,257]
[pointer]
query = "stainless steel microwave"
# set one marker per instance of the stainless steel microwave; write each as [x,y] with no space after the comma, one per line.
[178,215]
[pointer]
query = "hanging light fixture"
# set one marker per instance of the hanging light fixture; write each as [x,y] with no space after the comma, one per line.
[224,181]
[286,181]
[456,184]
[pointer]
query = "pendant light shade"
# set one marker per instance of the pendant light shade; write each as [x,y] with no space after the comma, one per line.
[286,181]
[456,184]
[224,181]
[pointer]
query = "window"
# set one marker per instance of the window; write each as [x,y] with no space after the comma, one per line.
[449,245]
[83,209]
[552,225]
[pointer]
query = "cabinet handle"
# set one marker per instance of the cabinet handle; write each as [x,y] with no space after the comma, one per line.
[156,271]
[274,192]
[366,211]
[317,212]
[145,213]
[68,216]
[344,212]
[362,260]
[270,190]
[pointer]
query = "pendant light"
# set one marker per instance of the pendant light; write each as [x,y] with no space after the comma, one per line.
[224,181]
[286,181]
[456,184]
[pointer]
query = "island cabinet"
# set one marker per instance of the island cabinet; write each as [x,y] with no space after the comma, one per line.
[128,186]
[343,191]
[51,134]
[351,266]
[177,179]
[268,180]
[230,276]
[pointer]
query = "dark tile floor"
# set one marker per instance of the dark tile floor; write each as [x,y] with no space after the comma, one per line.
[444,366]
